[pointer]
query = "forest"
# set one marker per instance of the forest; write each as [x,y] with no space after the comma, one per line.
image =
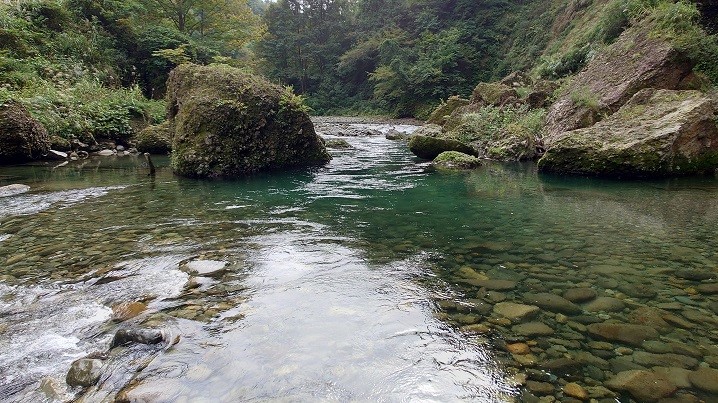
[84,67]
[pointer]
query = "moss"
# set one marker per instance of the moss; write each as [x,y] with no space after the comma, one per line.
[60,144]
[493,94]
[155,139]
[455,160]
[228,123]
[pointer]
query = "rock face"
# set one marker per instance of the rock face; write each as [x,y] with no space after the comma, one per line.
[657,133]
[228,124]
[22,138]
[429,148]
[634,62]
[155,139]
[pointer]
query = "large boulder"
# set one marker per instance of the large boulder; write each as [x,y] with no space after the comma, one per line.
[443,111]
[22,138]
[455,161]
[228,123]
[657,133]
[637,60]
[493,94]
[429,148]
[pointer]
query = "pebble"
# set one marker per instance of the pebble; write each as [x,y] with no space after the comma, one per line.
[540,388]
[552,302]
[578,295]
[705,379]
[605,304]
[633,335]
[518,348]
[533,329]
[516,312]
[575,390]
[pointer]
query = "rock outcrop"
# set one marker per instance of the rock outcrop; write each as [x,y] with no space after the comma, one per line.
[228,123]
[637,60]
[22,138]
[657,133]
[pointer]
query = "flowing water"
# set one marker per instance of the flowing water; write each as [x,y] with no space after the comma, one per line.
[374,278]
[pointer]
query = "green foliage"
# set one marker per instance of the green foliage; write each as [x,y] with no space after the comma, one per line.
[585,98]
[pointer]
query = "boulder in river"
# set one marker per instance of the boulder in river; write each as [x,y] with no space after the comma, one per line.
[155,139]
[84,372]
[132,335]
[429,148]
[14,189]
[454,160]
[22,137]
[228,123]
[657,133]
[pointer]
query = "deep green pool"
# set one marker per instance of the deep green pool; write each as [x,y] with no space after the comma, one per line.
[363,280]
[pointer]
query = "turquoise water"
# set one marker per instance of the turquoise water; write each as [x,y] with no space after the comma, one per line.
[363,280]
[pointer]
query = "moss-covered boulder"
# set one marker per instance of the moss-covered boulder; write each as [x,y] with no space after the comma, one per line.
[339,144]
[228,123]
[495,94]
[454,160]
[637,60]
[443,111]
[657,133]
[429,148]
[155,139]
[22,138]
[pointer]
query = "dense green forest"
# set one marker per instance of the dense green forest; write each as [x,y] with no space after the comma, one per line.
[98,67]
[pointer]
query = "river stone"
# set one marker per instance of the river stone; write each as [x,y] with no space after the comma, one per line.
[532,329]
[552,302]
[84,372]
[496,285]
[580,294]
[455,161]
[705,379]
[518,348]
[605,304]
[562,366]
[516,312]
[14,189]
[648,316]
[708,289]
[695,274]
[643,385]
[664,360]
[679,376]
[633,335]
[540,388]
[124,337]
[127,310]
[638,290]
[228,123]
[205,268]
[575,390]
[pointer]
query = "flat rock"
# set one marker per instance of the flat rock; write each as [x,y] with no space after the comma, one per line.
[633,335]
[207,268]
[14,189]
[643,385]
[575,390]
[553,303]
[516,312]
[496,285]
[540,388]
[605,304]
[708,289]
[664,360]
[127,310]
[705,379]
[532,329]
[580,294]
[695,274]
[679,376]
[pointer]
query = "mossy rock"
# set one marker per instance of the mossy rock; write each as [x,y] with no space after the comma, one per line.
[22,138]
[429,148]
[155,139]
[443,111]
[495,94]
[454,160]
[228,123]
[60,143]
[657,133]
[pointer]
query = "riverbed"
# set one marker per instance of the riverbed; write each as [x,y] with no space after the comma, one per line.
[375,278]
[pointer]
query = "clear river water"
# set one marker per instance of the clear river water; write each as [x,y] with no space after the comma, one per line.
[374,278]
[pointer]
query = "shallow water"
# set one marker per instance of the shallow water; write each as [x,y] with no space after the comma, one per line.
[363,280]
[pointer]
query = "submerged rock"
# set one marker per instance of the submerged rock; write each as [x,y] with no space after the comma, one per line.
[705,379]
[228,123]
[633,335]
[84,372]
[22,137]
[643,385]
[454,160]
[429,148]
[337,144]
[658,133]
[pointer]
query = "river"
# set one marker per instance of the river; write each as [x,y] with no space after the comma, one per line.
[374,278]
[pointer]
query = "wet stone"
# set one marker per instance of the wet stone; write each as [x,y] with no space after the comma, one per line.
[705,379]
[575,390]
[605,304]
[516,312]
[633,335]
[552,302]
[540,388]
[664,360]
[579,295]
[708,289]
[695,274]
[679,376]
[125,337]
[494,285]
[127,310]
[84,372]
[642,385]
[532,329]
